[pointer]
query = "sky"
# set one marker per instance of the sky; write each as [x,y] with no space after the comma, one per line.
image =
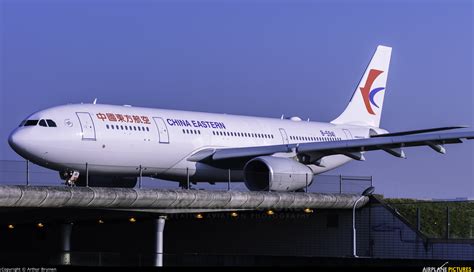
[259,58]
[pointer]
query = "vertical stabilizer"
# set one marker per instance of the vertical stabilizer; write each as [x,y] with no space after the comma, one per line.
[365,106]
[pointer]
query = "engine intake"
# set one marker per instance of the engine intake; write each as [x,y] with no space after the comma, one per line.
[276,174]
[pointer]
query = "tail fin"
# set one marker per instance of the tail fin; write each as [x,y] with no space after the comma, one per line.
[365,106]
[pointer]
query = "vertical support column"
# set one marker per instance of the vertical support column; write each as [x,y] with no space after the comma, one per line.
[140,177]
[228,182]
[340,184]
[269,180]
[354,231]
[27,172]
[66,230]
[306,188]
[448,221]
[87,174]
[418,219]
[187,178]
[160,226]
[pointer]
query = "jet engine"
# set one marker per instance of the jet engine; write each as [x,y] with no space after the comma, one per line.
[276,174]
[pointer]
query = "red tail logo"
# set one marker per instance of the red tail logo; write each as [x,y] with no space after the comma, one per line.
[368,94]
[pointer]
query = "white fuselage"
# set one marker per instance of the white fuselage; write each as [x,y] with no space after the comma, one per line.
[124,140]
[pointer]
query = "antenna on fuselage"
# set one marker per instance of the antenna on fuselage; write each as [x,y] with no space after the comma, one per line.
[282,116]
[95,101]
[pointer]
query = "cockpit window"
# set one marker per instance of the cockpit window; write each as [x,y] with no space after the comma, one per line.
[51,123]
[42,122]
[31,123]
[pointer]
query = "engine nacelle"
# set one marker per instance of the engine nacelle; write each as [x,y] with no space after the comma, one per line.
[276,174]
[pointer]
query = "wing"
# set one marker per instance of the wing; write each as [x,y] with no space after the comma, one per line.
[236,158]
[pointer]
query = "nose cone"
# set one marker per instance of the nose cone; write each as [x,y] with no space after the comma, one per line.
[18,141]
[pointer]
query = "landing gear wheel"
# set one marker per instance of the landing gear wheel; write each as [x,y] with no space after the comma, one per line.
[71,178]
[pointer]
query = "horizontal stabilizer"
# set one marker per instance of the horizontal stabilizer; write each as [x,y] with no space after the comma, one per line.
[411,132]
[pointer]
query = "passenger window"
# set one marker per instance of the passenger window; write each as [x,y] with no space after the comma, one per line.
[107,126]
[29,123]
[42,123]
[51,123]
[147,129]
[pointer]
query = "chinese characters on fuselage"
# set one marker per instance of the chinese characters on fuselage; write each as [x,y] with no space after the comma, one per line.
[124,118]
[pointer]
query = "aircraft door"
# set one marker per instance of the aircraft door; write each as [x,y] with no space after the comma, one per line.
[348,134]
[162,130]
[87,126]
[284,136]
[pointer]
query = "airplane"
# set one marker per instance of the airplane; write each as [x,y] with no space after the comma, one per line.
[112,146]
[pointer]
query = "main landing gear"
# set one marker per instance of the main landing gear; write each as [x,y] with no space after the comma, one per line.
[70,177]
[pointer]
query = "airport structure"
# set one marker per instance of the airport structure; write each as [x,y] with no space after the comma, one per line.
[59,225]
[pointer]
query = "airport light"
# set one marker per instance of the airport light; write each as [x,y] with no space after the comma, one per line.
[234,214]
[100,221]
[40,225]
[270,212]
[132,220]
[11,226]
[308,210]
[199,216]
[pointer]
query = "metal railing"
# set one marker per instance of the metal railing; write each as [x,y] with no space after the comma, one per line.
[27,173]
